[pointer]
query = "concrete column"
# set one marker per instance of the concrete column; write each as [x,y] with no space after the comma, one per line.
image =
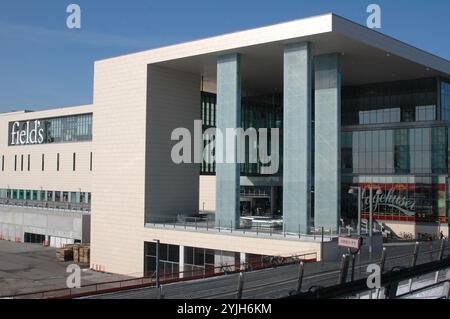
[297,138]
[228,116]
[327,188]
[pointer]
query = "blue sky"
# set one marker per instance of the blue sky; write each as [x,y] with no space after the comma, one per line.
[43,64]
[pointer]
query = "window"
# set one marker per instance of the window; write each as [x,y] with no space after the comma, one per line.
[65,197]
[15,163]
[390,102]
[29,162]
[57,162]
[90,163]
[425,113]
[43,162]
[74,161]
[76,128]
[3,163]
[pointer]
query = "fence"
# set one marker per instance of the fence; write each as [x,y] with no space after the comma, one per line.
[167,278]
[258,226]
[84,207]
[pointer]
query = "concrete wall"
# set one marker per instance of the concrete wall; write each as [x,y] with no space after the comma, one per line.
[119,168]
[136,109]
[173,102]
[415,229]
[234,242]
[15,221]
[207,194]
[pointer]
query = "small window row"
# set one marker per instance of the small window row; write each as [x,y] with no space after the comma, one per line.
[19,162]
[30,197]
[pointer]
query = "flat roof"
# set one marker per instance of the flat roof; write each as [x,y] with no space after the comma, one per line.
[48,113]
[306,29]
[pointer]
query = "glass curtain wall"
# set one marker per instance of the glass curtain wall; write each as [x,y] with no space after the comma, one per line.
[260,112]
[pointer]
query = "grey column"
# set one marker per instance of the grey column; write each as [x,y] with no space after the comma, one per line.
[297,138]
[228,116]
[327,185]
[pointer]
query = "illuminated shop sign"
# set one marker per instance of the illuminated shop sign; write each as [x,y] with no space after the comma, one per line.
[26,133]
[389,199]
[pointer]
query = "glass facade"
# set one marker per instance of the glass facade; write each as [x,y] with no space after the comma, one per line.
[21,197]
[75,128]
[403,198]
[396,151]
[260,112]
[394,138]
[392,141]
[394,102]
[445,101]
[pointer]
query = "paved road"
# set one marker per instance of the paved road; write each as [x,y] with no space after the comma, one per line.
[277,282]
[27,268]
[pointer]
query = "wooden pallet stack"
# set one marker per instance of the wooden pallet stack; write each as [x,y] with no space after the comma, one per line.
[84,254]
[64,254]
[76,253]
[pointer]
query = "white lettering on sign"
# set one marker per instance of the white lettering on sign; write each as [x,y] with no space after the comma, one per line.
[349,242]
[31,133]
[389,199]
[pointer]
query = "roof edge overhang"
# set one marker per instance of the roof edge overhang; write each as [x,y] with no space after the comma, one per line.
[297,30]
[388,44]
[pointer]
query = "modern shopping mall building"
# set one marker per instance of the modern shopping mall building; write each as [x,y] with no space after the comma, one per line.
[354,107]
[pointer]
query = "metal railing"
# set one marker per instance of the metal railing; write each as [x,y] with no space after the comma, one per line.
[296,284]
[150,280]
[349,284]
[83,207]
[259,226]
[401,267]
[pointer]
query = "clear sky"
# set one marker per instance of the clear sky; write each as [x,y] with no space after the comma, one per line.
[43,64]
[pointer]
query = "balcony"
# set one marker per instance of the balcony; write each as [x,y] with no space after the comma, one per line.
[79,207]
[259,226]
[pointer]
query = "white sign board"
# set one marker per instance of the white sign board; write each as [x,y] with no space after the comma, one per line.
[349,242]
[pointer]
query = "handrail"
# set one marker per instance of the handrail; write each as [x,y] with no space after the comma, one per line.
[361,285]
[150,281]
[434,285]
[46,204]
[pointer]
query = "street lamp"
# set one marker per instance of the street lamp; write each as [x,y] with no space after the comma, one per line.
[352,191]
[379,192]
[157,284]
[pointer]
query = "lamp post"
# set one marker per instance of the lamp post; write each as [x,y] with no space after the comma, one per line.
[352,191]
[157,284]
[379,192]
